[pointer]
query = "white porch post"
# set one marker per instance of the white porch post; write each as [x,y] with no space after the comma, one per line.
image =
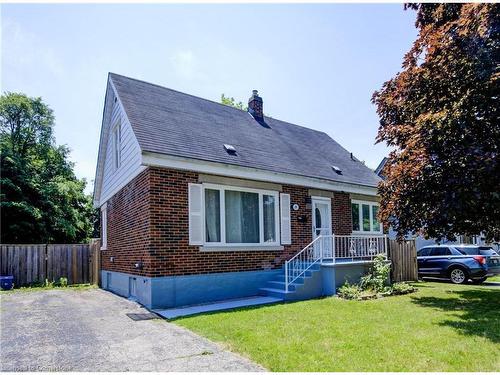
[321,247]
[333,248]
[286,276]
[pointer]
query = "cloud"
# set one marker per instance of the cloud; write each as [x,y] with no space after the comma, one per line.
[184,63]
[25,53]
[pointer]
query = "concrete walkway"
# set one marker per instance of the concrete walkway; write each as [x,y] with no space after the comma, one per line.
[89,330]
[217,306]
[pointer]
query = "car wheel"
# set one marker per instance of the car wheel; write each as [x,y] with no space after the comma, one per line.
[458,276]
[479,281]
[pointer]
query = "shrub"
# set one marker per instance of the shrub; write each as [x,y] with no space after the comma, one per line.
[63,281]
[375,283]
[348,291]
[376,280]
[402,288]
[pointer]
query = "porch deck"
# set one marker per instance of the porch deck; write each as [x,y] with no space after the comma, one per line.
[340,261]
[335,250]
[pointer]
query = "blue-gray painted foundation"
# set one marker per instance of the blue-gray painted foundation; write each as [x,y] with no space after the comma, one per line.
[176,291]
[325,281]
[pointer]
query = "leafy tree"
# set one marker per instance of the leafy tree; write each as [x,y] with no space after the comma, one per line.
[232,103]
[41,199]
[440,115]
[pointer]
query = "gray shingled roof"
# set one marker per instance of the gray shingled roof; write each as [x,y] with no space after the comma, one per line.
[173,123]
[380,167]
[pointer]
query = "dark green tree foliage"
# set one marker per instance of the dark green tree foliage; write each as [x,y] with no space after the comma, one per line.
[440,115]
[41,199]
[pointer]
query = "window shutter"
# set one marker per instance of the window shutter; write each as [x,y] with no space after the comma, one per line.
[195,214]
[286,232]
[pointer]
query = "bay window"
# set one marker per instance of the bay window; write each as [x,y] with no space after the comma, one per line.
[240,216]
[364,217]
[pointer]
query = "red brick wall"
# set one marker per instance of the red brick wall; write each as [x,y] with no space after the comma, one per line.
[341,214]
[128,227]
[148,222]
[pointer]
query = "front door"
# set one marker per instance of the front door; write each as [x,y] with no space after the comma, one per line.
[322,225]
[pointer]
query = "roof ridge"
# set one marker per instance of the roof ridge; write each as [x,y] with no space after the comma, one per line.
[220,104]
[179,92]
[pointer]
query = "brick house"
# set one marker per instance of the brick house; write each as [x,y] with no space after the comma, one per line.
[203,202]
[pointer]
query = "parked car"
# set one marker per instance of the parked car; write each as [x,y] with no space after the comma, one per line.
[459,263]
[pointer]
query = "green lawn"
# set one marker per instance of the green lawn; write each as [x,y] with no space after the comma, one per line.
[25,289]
[442,327]
[494,278]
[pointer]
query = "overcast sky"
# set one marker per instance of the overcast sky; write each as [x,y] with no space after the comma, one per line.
[314,65]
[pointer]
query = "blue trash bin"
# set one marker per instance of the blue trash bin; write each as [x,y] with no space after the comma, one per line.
[6,282]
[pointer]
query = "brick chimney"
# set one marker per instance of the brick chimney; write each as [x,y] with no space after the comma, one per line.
[255,106]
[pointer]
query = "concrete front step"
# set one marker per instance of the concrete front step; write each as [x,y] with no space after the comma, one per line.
[300,280]
[275,293]
[276,288]
[281,285]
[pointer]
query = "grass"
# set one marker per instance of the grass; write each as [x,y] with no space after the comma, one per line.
[442,327]
[494,278]
[38,288]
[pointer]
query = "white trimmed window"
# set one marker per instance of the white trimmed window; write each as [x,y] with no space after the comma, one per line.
[104,226]
[117,149]
[234,216]
[364,217]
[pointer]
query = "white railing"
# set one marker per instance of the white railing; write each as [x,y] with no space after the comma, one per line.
[332,248]
[298,265]
[360,246]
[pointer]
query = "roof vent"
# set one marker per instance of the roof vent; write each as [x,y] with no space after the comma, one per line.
[336,169]
[230,149]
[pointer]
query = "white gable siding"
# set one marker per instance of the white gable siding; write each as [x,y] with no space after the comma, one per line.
[130,166]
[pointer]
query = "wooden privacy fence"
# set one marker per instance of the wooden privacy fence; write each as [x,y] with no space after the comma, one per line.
[30,264]
[404,260]
[95,261]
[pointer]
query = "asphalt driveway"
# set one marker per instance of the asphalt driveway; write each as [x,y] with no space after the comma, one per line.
[88,330]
